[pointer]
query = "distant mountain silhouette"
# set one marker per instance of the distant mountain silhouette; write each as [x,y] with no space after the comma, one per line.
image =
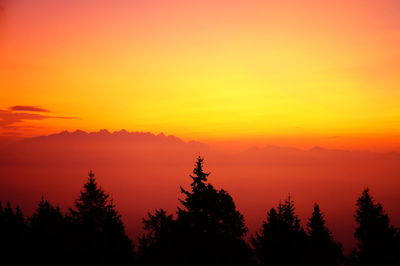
[143,167]
[101,146]
[116,136]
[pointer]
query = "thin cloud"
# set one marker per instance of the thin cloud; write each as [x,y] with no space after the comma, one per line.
[9,118]
[29,108]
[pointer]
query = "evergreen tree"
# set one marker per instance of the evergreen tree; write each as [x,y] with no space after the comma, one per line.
[281,241]
[209,210]
[212,228]
[324,250]
[102,238]
[14,236]
[378,241]
[208,230]
[51,235]
[159,245]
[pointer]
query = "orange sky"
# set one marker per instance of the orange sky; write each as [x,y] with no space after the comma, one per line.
[286,72]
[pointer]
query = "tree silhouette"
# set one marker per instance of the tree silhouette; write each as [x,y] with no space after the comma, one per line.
[14,240]
[324,250]
[209,210]
[51,235]
[208,230]
[378,241]
[281,241]
[159,226]
[159,245]
[102,237]
[213,228]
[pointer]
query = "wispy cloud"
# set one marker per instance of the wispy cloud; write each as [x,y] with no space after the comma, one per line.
[16,119]
[29,108]
[8,117]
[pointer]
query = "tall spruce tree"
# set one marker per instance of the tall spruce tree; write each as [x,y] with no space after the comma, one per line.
[378,241]
[324,250]
[101,233]
[212,228]
[282,240]
[208,229]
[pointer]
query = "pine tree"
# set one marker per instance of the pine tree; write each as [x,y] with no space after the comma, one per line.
[51,235]
[324,250]
[159,245]
[378,241]
[14,236]
[46,219]
[208,230]
[200,177]
[102,236]
[208,210]
[282,240]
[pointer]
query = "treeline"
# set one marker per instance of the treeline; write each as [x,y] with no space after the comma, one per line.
[206,230]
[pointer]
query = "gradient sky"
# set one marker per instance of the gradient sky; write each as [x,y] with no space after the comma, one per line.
[299,73]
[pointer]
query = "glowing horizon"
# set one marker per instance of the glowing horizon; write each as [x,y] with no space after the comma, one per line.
[277,72]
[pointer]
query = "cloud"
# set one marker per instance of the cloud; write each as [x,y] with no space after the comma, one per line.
[28,108]
[16,118]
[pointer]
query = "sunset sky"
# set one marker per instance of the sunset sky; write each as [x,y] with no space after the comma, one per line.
[285,72]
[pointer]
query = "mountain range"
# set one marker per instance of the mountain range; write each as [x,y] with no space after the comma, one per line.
[144,171]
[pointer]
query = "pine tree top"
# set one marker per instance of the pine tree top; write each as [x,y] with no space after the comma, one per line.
[316,224]
[368,209]
[317,219]
[92,195]
[94,206]
[371,216]
[199,176]
[287,213]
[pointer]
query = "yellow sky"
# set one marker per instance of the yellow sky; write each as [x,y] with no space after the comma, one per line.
[291,72]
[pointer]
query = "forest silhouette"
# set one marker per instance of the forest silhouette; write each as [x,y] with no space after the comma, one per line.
[207,229]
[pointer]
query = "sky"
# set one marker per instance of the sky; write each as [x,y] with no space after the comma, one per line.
[294,73]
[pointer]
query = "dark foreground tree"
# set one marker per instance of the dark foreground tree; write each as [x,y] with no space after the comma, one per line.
[208,230]
[51,235]
[324,250]
[214,228]
[101,234]
[14,236]
[378,241]
[281,241]
[160,243]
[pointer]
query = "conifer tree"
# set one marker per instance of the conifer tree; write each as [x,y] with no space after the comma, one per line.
[51,235]
[324,250]
[102,236]
[46,219]
[14,236]
[212,227]
[282,240]
[209,210]
[159,245]
[208,229]
[378,241]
